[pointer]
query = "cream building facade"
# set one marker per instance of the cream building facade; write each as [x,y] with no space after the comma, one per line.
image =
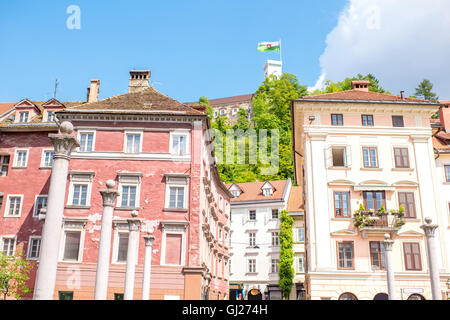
[363,150]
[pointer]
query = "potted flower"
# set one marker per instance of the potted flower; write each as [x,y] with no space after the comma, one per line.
[382,211]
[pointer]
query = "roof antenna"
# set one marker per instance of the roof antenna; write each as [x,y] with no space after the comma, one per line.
[56,87]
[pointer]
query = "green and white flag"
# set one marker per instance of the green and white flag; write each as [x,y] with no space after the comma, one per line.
[269,46]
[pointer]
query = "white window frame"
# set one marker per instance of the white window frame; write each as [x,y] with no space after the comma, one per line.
[141,140]
[43,164]
[72,227]
[3,156]
[35,212]
[173,228]
[277,264]
[94,136]
[9,237]
[120,227]
[16,158]
[167,200]
[77,178]
[249,269]
[31,238]
[298,238]
[6,215]
[298,263]
[179,133]
[129,180]
[20,116]
[47,115]
[276,238]
[252,239]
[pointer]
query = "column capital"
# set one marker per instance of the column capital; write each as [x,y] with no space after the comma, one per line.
[318,136]
[109,195]
[420,138]
[429,228]
[64,142]
[149,240]
[387,242]
[134,224]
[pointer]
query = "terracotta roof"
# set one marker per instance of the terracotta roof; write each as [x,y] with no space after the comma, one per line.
[252,191]
[441,140]
[148,99]
[362,95]
[295,200]
[6,106]
[227,100]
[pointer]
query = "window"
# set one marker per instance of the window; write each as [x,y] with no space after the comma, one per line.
[216,113]
[8,246]
[337,120]
[406,199]
[447,173]
[133,142]
[300,234]
[51,116]
[235,193]
[122,248]
[370,157]
[252,265]
[401,157]
[267,192]
[173,248]
[397,121]
[21,158]
[222,112]
[377,255]
[252,215]
[347,296]
[65,295]
[47,158]
[412,256]
[39,203]
[275,263]
[345,255]
[14,206]
[1,202]
[367,120]
[79,194]
[86,141]
[274,213]
[118,296]
[339,156]
[23,116]
[72,245]
[301,264]
[179,144]
[374,200]
[128,196]
[4,164]
[275,238]
[34,245]
[176,197]
[252,239]
[342,204]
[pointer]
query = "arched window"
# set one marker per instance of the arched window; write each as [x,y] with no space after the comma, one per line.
[381,296]
[347,296]
[416,296]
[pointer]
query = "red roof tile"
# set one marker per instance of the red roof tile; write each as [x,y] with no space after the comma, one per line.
[362,95]
[227,100]
[252,191]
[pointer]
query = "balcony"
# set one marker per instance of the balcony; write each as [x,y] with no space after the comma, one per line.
[377,223]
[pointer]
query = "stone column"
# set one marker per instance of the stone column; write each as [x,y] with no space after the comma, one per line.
[387,243]
[63,144]
[101,281]
[133,242]
[433,265]
[147,267]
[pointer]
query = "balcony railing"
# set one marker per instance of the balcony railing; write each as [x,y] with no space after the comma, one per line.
[379,222]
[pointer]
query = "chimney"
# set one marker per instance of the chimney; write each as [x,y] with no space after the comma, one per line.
[360,85]
[139,79]
[402,95]
[93,91]
[444,116]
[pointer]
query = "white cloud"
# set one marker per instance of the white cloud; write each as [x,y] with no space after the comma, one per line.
[401,42]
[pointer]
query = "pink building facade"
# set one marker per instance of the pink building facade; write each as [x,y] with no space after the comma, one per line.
[156,150]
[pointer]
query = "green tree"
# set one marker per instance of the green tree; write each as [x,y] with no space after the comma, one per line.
[204,101]
[423,90]
[14,274]
[346,84]
[286,271]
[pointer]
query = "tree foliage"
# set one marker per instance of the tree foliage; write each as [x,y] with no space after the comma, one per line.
[346,84]
[14,274]
[423,91]
[286,271]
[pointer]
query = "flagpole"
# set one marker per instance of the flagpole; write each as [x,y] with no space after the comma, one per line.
[280,52]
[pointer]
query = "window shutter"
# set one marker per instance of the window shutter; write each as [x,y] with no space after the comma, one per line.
[328,157]
[348,156]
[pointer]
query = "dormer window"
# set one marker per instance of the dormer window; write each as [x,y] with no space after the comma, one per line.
[51,116]
[267,189]
[235,190]
[23,116]
[235,193]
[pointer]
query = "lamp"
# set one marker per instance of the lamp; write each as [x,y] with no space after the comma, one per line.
[311,119]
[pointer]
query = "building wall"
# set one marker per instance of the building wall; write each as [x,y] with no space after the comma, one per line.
[444,194]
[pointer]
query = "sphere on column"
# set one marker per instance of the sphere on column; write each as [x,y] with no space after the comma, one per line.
[66,127]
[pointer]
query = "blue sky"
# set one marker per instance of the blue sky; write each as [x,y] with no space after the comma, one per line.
[193,48]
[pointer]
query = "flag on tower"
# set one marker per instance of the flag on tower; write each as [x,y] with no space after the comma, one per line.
[269,46]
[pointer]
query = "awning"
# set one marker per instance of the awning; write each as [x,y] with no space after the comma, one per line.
[236,285]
